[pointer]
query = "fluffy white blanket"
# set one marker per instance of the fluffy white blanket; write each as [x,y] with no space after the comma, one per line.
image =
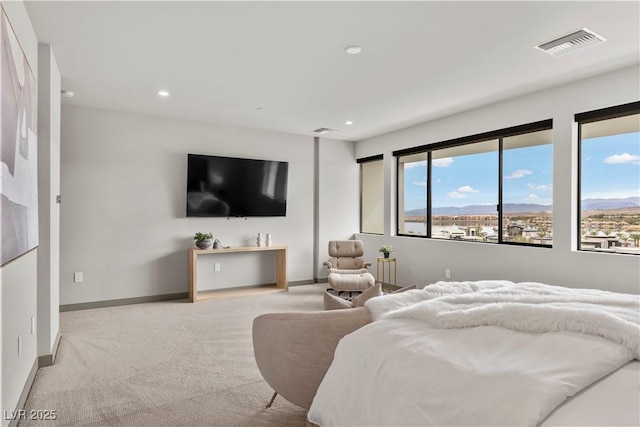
[525,307]
[476,353]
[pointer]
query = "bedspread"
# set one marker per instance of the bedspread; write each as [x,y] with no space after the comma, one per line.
[507,355]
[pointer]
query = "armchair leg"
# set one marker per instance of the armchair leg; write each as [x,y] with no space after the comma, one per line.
[275,393]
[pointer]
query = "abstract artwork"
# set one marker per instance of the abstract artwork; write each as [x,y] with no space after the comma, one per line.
[18,148]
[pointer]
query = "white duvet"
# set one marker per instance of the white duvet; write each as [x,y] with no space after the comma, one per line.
[476,353]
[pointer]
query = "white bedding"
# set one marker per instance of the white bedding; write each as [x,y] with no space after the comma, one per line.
[444,356]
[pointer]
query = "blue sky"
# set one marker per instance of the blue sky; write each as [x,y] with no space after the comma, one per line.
[611,166]
[611,169]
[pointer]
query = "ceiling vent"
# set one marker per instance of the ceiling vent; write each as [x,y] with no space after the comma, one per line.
[324,131]
[578,39]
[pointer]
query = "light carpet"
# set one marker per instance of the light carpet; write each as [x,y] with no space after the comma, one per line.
[169,363]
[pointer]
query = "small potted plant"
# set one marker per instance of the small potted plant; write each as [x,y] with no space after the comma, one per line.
[386,250]
[203,240]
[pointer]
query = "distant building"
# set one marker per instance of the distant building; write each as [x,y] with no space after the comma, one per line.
[514,230]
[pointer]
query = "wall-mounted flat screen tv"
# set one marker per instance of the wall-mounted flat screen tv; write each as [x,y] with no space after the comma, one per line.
[234,187]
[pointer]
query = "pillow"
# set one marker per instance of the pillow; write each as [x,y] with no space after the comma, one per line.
[406,288]
[371,292]
[332,302]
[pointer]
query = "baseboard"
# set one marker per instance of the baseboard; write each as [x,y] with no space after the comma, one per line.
[302,282]
[49,359]
[320,280]
[25,393]
[140,300]
[124,301]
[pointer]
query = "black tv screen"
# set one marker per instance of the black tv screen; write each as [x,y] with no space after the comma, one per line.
[229,186]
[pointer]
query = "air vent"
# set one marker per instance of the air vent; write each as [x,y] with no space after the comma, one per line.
[578,39]
[324,131]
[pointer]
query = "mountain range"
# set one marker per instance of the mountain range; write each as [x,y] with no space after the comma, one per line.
[515,208]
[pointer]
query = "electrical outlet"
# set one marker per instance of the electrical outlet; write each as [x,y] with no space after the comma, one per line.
[447,273]
[78,277]
[216,266]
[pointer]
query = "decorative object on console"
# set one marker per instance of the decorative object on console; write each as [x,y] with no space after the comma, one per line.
[260,240]
[386,250]
[217,244]
[268,239]
[203,240]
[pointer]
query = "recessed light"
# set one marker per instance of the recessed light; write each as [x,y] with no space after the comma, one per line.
[353,49]
[259,108]
[348,123]
[163,93]
[67,93]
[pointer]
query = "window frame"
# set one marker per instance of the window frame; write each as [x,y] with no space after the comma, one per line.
[500,134]
[375,158]
[593,116]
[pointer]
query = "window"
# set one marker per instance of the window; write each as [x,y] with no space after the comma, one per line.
[371,195]
[470,188]
[527,190]
[609,186]
[412,202]
[464,193]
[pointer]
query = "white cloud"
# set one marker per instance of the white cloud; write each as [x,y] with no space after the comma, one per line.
[520,173]
[542,187]
[467,189]
[622,159]
[420,183]
[415,164]
[531,198]
[456,195]
[442,163]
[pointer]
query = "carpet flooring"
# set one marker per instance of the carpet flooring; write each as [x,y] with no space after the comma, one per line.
[166,363]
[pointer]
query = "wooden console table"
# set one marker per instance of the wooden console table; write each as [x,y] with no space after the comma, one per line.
[281,272]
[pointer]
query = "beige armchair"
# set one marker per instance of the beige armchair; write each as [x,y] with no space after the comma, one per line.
[347,269]
[294,350]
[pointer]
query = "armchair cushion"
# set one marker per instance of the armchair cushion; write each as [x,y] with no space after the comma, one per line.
[341,271]
[351,282]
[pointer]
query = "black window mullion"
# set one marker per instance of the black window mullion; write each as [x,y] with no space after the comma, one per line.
[398,207]
[481,137]
[500,177]
[428,190]
[360,204]
[608,113]
[579,207]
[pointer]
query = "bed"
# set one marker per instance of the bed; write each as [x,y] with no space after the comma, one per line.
[487,353]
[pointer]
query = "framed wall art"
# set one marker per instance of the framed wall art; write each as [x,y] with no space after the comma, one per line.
[18,148]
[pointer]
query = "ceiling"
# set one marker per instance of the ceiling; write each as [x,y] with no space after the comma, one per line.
[282,65]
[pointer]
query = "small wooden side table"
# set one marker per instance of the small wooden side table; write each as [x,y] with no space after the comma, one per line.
[384,265]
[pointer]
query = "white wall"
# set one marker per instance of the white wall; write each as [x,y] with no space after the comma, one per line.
[339,197]
[18,277]
[49,209]
[123,211]
[423,261]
